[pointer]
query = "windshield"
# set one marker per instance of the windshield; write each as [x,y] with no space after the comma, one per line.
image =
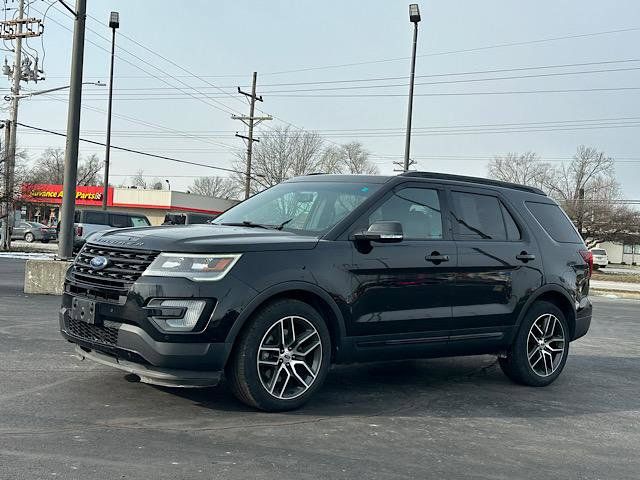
[310,208]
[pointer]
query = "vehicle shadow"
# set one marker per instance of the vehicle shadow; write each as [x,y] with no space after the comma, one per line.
[456,387]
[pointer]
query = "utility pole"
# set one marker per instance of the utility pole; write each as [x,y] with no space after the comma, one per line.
[251,121]
[65,245]
[11,126]
[16,29]
[6,227]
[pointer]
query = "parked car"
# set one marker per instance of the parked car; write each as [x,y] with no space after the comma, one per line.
[600,258]
[331,269]
[33,231]
[188,218]
[89,221]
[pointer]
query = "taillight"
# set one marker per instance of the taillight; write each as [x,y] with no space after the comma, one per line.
[587,256]
[79,230]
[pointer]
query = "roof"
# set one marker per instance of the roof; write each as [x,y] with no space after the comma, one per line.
[479,180]
[315,177]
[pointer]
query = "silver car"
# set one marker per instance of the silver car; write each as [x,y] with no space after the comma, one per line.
[32,231]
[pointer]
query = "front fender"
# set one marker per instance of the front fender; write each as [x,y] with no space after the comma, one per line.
[279,289]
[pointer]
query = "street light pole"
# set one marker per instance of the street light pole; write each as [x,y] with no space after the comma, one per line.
[67,210]
[114,23]
[414,17]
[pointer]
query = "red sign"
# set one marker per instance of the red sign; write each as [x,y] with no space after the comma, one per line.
[47,193]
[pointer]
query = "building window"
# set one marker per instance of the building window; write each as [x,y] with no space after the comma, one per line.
[636,249]
[627,249]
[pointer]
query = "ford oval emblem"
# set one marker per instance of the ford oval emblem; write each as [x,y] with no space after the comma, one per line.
[98,263]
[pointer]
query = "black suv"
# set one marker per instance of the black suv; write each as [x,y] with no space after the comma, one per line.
[329,269]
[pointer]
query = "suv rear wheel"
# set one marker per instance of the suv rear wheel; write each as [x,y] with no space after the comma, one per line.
[540,349]
[281,358]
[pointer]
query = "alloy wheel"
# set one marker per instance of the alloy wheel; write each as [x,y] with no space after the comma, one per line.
[289,357]
[546,345]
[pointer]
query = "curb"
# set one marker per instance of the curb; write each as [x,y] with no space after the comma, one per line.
[611,293]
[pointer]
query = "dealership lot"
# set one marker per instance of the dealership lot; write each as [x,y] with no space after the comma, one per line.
[444,418]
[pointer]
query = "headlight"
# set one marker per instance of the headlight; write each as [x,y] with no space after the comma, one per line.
[197,267]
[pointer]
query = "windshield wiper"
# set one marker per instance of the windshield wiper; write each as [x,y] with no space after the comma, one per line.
[245,223]
[281,226]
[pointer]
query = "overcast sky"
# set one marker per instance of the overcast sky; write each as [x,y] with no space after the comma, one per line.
[294,43]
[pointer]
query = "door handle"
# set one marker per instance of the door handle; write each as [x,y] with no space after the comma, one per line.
[436,258]
[525,257]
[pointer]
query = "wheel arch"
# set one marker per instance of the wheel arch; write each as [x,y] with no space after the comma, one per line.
[305,292]
[556,295]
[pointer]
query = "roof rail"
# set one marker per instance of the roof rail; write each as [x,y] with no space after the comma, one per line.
[464,178]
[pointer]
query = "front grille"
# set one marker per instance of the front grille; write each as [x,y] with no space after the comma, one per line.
[125,267]
[93,333]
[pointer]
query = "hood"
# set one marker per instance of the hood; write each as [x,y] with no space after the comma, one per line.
[204,239]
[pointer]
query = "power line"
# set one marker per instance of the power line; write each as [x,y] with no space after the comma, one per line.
[130,150]
[466,50]
[453,94]
[223,107]
[379,79]
[148,124]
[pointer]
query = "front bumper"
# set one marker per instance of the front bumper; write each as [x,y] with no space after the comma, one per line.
[157,376]
[130,348]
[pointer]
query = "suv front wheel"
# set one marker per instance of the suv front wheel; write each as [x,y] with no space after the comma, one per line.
[281,358]
[540,349]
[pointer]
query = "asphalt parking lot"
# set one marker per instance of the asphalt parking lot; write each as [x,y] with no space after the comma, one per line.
[442,418]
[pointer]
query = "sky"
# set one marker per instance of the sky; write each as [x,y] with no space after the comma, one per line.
[341,68]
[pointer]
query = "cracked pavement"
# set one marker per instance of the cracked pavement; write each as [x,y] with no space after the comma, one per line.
[439,418]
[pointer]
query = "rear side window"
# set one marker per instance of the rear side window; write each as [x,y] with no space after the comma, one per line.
[479,217]
[140,221]
[119,221]
[96,218]
[513,231]
[555,222]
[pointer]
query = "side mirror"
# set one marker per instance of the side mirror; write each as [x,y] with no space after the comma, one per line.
[382,232]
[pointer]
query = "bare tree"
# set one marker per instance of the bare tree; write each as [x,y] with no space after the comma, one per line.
[523,168]
[281,154]
[220,187]
[49,168]
[18,179]
[599,215]
[350,158]
[90,171]
[139,180]
[285,152]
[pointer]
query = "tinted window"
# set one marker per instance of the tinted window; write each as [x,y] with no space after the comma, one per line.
[513,232]
[478,217]
[417,209]
[97,218]
[119,221]
[597,251]
[140,221]
[555,222]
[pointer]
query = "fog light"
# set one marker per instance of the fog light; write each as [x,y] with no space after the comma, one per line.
[176,315]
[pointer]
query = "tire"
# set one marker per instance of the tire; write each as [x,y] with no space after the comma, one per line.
[45,241]
[261,341]
[546,362]
[29,237]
